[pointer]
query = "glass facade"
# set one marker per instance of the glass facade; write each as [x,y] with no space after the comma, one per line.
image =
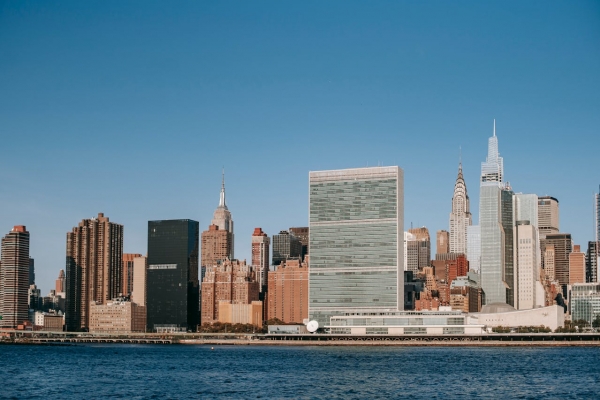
[585,302]
[172,276]
[492,249]
[508,223]
[356,241]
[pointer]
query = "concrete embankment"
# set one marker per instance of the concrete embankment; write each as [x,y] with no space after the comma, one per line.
[406,343]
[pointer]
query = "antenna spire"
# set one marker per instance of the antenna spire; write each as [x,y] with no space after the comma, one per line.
[222,197]
[494,126]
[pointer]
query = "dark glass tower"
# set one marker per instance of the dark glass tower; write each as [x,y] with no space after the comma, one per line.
[172,280]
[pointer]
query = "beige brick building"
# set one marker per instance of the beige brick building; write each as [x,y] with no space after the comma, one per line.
[117,316]
[241,313]
[216,246]
[233,281]
[288,292]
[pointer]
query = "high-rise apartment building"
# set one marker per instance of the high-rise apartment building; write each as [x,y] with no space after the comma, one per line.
[94,268]
[460,217]
[172,276]
[549,267]
[260,256]
[492,237]
[302,234]
[217,245]
[288,292]
[576,265]
[442,242]
[222,219]
[128,273]
[140,273]
[356,226]
[285,246]
[563,246]
[548,216]
[231,281]
[592,265]
[14,278]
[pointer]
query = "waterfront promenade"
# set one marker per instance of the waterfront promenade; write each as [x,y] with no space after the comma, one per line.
[220,339]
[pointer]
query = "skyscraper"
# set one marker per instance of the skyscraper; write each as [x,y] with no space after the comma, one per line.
[140,273]
[576,266]
[460,217]
[356,226]
[490,224]
[128,273]
[507,213]
[260,256]
[14,278]
[526,261]
[31,271]
[563,246]
[217,246]
[597,207]
[222,218]
[592,274]
[285,246]
[60,282]
[94,268]
[442,242]
[288,292]
[302,234]
[548,216]
[474,247]
[172,276]
[419,249]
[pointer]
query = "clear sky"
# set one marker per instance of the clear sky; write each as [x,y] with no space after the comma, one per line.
[133,108]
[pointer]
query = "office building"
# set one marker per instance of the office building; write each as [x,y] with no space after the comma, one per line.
[465,294]
[94,268]
[474,247]
[217,245]
[233,281]
[584,302]
[507,212]
[285,246]
[222,219]
[563,245]
[526,258]
[60,283]
[442,242]
[356,226]
[172,276]
[118,316]
[549,267]
[288,292]
[14,278]
[576,266]
[140,272]
[128,274]
[260,256]
[460,217]
[592,273]
[422,247]
[548,216]
[302,234]
[491,226]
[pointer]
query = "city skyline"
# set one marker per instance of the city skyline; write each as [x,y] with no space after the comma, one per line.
[387,92]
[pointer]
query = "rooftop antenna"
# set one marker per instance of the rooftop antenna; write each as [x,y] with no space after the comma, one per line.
[494,126]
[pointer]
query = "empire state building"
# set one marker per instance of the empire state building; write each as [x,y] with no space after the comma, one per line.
[222,216]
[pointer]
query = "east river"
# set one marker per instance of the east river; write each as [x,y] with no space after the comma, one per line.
[96,371]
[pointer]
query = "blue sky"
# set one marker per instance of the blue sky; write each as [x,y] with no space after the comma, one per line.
[133,108]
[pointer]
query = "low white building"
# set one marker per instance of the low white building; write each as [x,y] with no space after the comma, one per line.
[500,314]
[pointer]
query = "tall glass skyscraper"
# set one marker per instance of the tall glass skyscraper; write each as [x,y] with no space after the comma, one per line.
[492,256]
[356,241]
[172,290]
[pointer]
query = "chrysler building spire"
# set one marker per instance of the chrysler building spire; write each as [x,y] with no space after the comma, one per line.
[460,217]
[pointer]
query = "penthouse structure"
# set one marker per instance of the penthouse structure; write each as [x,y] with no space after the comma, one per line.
[356,252]
[14,278]
[94,268]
